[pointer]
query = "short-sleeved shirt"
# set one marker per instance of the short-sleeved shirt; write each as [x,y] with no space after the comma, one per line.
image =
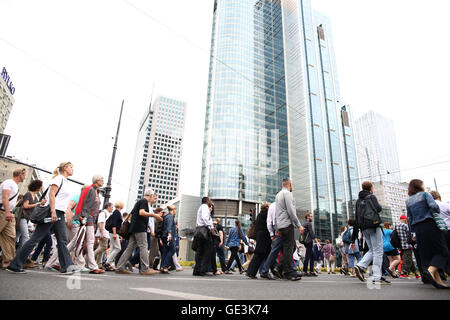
[102,216]
[139,223]
[64,194]
[29,197]
[387,246]
[75,218]
[13,188]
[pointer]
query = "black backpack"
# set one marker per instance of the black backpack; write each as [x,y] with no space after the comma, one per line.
[108,223]
[367,214]
[394,239]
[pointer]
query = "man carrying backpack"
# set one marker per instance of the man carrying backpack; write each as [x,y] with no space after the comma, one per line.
[369,222]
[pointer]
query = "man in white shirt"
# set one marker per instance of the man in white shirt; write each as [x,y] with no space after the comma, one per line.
[102,234]
[203,238]
[9,191]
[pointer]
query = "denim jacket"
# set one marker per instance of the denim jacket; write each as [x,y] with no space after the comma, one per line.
[169,226]
[420,207]
[233,239]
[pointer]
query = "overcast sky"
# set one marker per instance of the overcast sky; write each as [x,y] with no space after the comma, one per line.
[72,63]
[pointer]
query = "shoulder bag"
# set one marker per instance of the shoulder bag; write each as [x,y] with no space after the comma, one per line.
[251,233]
[438,219]
[124,229]
[40,213]
[1,204]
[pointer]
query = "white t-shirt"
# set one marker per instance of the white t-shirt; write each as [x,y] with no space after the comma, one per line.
[102,216]
[13,188]
[64,194]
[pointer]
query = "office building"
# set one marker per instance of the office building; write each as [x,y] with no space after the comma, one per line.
[377,148]
[274,111]
[392,195]
[158,152]
[6,99]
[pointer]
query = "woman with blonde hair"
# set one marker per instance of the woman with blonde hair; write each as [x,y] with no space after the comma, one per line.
[114,239]
[58,199]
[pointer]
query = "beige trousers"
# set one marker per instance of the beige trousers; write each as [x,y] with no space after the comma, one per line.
[7,238]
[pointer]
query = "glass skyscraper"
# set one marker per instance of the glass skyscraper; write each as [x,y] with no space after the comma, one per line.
[274,111]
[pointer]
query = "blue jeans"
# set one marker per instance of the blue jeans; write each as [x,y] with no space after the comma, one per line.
[374,240]
[167,252]
[41,231]
[22,234]
[277,246]
[48,243]
[221,254]
[352,257]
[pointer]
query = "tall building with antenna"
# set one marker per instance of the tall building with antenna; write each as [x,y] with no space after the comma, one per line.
[274,111]
[159,149]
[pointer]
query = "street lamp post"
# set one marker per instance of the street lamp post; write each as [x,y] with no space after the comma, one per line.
[108,185]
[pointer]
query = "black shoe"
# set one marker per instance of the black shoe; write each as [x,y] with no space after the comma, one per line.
[292,277]
[200,274]
[251,276]
[277,273]
[313,274]
[18,271]
[360,273]
[442,275]
[426,274]
[381,281]
[266,276]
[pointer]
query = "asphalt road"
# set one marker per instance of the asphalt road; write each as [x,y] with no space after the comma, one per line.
[39,284]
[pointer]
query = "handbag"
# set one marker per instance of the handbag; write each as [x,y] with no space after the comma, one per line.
[332,257]
[251,233]
[438,219]
[40,213]
[440,222]
[201,233]
[124,229]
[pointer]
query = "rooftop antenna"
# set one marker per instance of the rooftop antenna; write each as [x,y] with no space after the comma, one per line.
[151,98]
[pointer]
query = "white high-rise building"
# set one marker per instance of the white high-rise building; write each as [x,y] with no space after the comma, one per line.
[392,195]
[377,148]
[158,152]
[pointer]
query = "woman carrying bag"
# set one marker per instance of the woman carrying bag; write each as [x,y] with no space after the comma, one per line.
[59,196]
[233,242]
[330,256]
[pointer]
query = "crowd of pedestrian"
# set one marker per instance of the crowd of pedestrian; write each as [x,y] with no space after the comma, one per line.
[87,238]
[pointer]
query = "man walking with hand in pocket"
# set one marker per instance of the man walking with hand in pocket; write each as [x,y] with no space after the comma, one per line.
[286,220]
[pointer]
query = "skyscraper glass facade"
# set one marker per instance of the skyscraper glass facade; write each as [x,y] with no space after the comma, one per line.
[274,111]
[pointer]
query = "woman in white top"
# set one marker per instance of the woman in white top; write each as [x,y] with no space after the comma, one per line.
[59,197]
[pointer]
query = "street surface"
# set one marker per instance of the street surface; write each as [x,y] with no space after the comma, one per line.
[42,284]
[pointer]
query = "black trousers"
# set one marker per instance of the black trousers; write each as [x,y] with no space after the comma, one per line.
[287,234]
[234,256]
[431,244]
[447,238]
[309,258]
[213,252]
[256,262]
[203,255]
